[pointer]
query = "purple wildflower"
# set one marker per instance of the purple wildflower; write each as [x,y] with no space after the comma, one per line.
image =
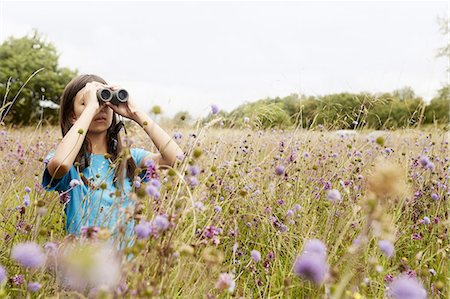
[192,181]
[311,266]
[3,274]
[152,191]
[315,246]
[426,220]
[161,223]
[256,256]
[29,255]
[177,135]
[424,161]
[27,189]
[387,247]
[246,120]
[279,170]
[18,280]
[26,200]
[334,195]
[194,170]
[404,287]
[289,214]
[434,196]
[33,287]
[214,109]
[143,230]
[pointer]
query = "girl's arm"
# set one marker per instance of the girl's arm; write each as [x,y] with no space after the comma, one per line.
[68,149]
[167,147]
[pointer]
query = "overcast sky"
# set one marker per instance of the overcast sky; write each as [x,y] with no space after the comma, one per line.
[189,55]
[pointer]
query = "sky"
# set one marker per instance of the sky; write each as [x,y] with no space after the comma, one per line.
[186,56]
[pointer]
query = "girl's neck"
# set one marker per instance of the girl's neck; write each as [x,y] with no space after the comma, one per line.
[98,143]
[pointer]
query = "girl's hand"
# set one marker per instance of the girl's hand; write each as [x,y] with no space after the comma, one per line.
[127,109]
[89,95]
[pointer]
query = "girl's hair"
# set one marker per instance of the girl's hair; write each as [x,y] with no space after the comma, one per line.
[114,148]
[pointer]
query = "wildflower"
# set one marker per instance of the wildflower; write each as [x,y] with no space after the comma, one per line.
[26,200]
[194,170]
[434,196]
[143,230]
[29,255]
[18,279]
[311,266]
[214,109]
[289,214]
[404,287]
[177,135]
[152,191]
[416,236]
[256,256]
[156,183]
[3,274]
[334,195]
[226,282]
[426,220]
[315,246]
[74,183]
[279,170]
[387,247]
[27,189]
[192,181]
[246,120]
[160,223]
[217,209]
[33,287]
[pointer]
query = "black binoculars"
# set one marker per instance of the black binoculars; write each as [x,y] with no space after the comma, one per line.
[114,96]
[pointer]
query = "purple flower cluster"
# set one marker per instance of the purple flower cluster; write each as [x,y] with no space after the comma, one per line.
[312,264]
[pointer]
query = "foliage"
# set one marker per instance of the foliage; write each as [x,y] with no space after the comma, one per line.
[21,57]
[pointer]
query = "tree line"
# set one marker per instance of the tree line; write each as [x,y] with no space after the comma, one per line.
[31,83]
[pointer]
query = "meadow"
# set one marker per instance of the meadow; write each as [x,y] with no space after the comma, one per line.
[246,214]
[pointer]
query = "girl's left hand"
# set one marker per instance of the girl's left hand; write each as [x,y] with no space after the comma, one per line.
[127,109]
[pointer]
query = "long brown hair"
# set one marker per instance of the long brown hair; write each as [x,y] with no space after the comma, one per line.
[67,111]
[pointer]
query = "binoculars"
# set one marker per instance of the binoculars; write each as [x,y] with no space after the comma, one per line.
[114,96]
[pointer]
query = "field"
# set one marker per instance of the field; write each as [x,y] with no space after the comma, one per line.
[247,214]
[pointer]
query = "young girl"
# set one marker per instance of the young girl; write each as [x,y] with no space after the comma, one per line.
[88,167]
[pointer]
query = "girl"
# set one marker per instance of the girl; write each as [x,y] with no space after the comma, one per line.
[82,167]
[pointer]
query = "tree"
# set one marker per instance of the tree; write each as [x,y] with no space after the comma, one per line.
[20,58]
[439,108]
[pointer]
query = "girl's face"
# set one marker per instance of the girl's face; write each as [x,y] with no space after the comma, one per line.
[101,121]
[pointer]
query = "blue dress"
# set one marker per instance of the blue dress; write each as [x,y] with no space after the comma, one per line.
[86,207]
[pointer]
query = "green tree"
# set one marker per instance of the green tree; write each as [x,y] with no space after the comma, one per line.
[439,108]
[19,58]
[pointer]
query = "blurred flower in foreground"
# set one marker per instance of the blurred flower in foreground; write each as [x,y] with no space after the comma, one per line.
[3,274]
[405,287]
[388,180]
[387,247]
[226,282]
[88,266]
[312,264]
[29,255]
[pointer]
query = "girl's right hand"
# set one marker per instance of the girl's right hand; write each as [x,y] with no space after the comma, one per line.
[90,95]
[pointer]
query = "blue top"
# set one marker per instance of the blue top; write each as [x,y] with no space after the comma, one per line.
[99,207]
